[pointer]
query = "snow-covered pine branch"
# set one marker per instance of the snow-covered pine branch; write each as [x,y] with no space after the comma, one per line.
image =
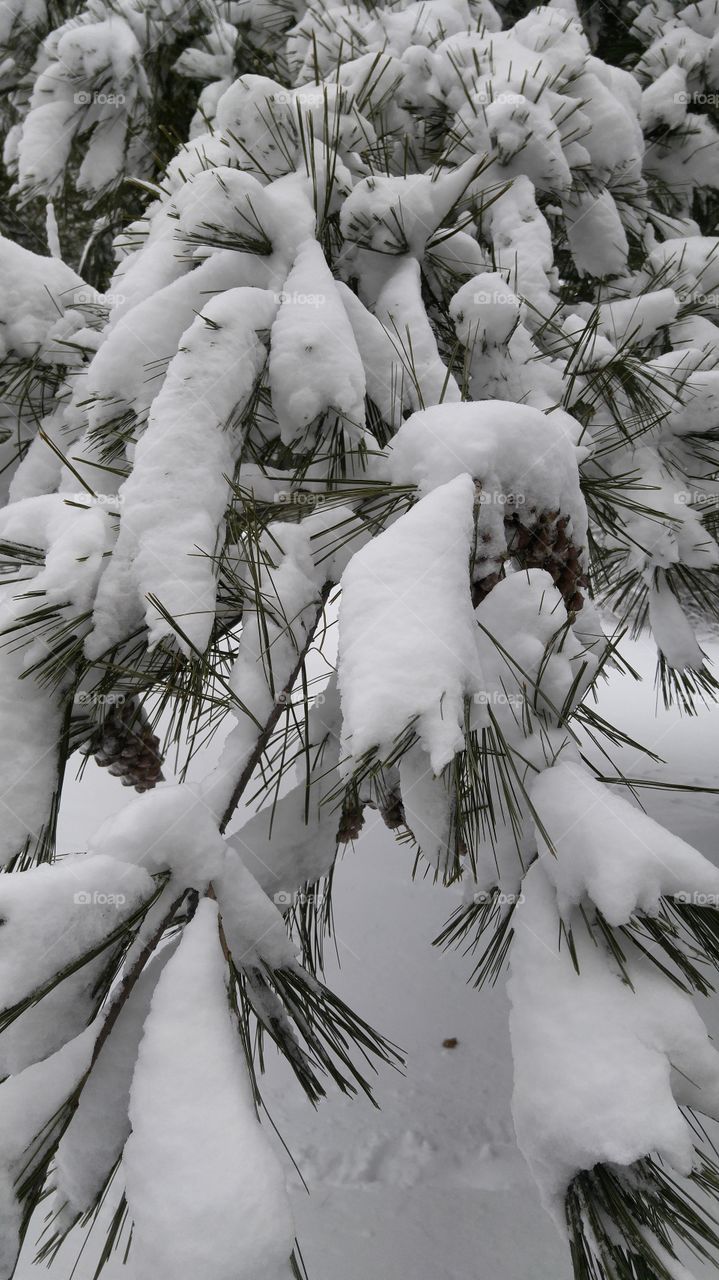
[418,340]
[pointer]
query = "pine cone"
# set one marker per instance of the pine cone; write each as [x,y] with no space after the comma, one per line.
[351,820]
[126,746]
[392,811]
[549,548]
[536,541]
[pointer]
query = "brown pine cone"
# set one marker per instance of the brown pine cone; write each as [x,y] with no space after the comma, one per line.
[351,820]
[125,745]
[536,540]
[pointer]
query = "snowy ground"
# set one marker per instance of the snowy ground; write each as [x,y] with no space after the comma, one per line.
[432,1187]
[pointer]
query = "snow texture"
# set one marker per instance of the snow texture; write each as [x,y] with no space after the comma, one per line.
[408,652]
[207,1196]
[597,845]
[169,828]
[594,1058]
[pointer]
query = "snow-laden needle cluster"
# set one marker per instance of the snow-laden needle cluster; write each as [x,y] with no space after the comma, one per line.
[398,408]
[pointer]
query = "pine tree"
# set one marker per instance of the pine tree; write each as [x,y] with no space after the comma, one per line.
[407,373]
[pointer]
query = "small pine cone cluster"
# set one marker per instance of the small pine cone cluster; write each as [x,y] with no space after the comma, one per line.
[126,746]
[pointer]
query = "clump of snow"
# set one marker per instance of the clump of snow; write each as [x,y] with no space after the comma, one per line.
[601,1069]
[174,500]
[315,366]
[523,459]
[408,653]
[52,917]
[169,828]
[596,235]
[53,914]
[533,665]
[672,630]
[398,215]
[400,308]
[93,1141]
[485,310]
[30,1104]
[36,291]
[293,840]
[596,844]
[427,806]
[75,538]
[206,1194]
[253,925]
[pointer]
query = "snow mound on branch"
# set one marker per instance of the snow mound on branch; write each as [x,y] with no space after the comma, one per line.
[401,310]
[174,500]
[672,630]
[254,928]
[292,841]
[398,215]
[604,848]
[53,914]
[511,449]
[93,1141]
[688,265]
[384,374]
[204,1188]
[315,366]
[407,644]
[637,319]
[485,310]
[522,243]
[36,292]
[29,1103]
[593,1058]
[428,808]
[596,236]
[284,848]
[143,332]
[75,538]
[168,828]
